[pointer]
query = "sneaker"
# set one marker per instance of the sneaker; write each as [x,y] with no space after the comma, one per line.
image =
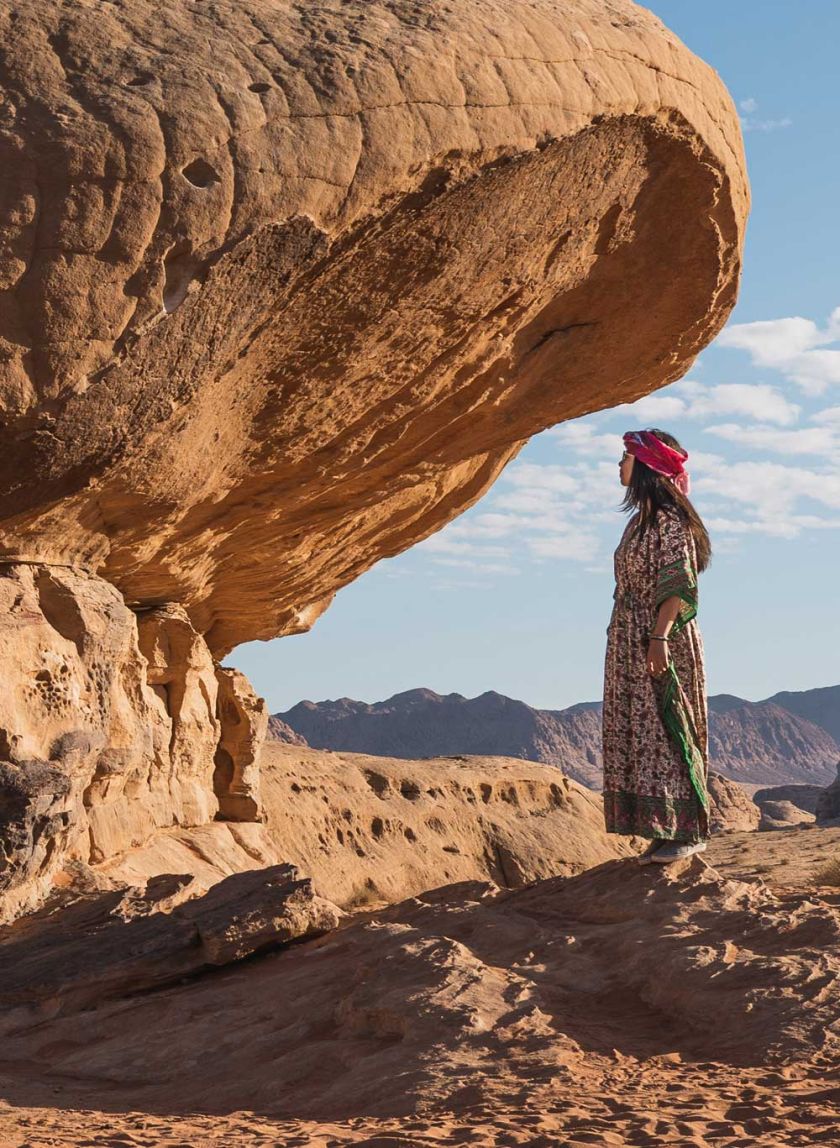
[676,850]
[654,847]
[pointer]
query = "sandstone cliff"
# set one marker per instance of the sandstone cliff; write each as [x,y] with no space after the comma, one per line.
[284,288]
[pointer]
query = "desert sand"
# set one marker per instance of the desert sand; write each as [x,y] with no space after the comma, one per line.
[692,1004]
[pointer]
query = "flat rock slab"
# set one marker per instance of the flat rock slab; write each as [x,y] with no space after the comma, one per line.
[99,945]
[623,1003]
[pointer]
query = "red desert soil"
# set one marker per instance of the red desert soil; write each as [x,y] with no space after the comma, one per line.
[689,1005]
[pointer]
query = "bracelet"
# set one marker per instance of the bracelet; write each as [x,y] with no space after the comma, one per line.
[657,638]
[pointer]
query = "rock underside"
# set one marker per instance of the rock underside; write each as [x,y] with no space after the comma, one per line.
[284,288]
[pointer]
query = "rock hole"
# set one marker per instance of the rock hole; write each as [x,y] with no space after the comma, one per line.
[340,836]
[180,268]
[200,173]
[259,87]
[140,80]
[409,789]
[409,833]
[377,827]
[295,788]
[377,782]
[486,792]
[223,772]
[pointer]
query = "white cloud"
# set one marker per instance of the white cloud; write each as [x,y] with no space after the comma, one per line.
[793,346]
[806,440]
[752,125]
[689,399]
[771,489]
[828,416]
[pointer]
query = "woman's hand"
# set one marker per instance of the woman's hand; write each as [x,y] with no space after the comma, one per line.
[657,658]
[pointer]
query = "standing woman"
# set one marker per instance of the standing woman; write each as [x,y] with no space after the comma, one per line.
[655,712]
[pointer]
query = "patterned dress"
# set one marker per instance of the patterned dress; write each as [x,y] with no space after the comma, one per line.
[655,734]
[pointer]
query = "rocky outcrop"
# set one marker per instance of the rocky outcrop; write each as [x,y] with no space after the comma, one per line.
[277,730]
[783,815]
[804,797]
[730,807]
[244,722]
[109,725]
[828,803]
[626,1005]
[96,945]
[371,830]
[285,290]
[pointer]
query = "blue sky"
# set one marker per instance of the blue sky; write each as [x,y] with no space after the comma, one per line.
[515,595]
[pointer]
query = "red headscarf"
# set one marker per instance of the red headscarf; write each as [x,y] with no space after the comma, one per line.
[653,452]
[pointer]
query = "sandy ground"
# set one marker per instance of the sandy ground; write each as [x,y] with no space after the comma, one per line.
[688,1005]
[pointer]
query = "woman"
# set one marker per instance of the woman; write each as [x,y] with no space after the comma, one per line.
[655,714]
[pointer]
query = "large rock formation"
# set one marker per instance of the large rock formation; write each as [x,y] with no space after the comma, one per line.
[285,287]
[731,809]
[680,1004]
[827,807]
[108,730]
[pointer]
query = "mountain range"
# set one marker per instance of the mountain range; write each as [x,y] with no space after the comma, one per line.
[788,738]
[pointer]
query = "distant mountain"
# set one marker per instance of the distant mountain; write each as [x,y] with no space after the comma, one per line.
[765,743]
[421,723]
[820,706]
[760,743]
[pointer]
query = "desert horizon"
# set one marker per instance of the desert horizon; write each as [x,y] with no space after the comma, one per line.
[350,346]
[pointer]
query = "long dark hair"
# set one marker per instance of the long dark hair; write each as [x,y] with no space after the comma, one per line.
[648,492]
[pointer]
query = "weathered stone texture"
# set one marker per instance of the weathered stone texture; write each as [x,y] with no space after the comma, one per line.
[106,736]
[288,285]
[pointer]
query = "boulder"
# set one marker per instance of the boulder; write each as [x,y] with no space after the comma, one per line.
[828,802]
[730,807]
[282,298]
[783,815]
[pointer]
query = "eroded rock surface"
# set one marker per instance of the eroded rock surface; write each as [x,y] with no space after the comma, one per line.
[372,830]
[82,949]
[286,287]
[625,1005]
[107,733]
[730,806]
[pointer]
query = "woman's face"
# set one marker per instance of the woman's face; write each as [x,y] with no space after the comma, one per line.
[625,468]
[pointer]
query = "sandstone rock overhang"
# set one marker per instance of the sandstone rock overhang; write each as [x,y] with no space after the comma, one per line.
[287,285]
